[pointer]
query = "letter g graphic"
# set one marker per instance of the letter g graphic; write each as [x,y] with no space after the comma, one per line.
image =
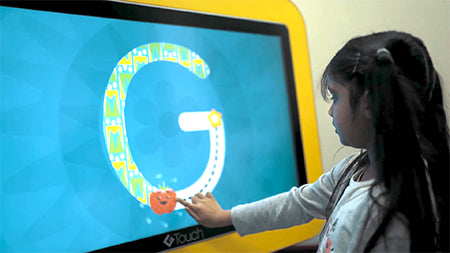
[115,133]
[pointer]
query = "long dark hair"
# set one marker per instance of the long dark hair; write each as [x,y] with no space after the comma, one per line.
[410,131]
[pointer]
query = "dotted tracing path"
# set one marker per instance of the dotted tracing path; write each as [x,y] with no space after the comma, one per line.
[201,121]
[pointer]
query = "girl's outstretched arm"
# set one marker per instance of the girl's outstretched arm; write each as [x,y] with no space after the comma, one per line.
[206,211]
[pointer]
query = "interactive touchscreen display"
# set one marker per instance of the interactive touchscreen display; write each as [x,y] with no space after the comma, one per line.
[106,119]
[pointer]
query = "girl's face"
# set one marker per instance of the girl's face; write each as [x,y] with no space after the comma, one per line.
[352,127]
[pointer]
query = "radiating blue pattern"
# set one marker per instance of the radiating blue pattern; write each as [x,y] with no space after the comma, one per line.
[58,190]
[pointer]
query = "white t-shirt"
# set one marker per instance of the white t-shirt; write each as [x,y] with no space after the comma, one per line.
[350,226]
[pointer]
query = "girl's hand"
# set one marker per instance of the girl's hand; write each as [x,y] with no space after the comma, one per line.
[206,211]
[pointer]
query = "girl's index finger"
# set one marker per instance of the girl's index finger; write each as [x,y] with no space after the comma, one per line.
[189,208]
[183,202]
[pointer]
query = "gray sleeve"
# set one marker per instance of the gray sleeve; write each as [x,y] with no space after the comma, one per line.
[295,207]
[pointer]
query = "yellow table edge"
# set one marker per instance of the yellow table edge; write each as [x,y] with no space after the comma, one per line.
[285,12]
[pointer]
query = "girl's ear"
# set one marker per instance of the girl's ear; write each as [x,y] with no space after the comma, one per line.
[365,105]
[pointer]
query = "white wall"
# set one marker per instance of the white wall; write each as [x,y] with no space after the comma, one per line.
[331,23]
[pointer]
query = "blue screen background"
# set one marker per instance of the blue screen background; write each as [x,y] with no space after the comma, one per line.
[58,188]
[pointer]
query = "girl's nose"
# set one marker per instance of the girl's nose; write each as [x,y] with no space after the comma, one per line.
[330,111]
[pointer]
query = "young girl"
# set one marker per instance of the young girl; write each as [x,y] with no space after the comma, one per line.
[393,196]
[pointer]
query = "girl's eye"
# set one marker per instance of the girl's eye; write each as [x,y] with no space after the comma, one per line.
[333,98]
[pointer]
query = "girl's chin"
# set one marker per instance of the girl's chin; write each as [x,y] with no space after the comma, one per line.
[343,141]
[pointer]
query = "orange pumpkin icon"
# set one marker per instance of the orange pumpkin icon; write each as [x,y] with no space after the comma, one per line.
[163,201]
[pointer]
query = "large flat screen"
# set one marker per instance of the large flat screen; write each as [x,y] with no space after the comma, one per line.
[110,110]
